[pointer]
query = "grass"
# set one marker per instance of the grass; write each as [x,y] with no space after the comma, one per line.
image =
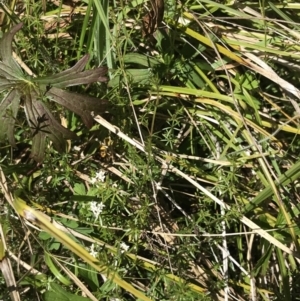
[185,187]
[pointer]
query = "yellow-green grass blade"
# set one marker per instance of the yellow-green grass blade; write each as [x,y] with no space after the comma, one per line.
[42,221]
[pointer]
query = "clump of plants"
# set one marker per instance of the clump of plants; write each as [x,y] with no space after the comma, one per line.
[35,93]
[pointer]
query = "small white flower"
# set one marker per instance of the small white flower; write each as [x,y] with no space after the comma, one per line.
[93,180]
[100,175]
[92,251]
[248,152]
[76,148]
[158,186]
[97,208]
[124,246]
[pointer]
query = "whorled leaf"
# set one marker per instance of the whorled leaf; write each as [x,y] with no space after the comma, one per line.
[44,124]
[40,119]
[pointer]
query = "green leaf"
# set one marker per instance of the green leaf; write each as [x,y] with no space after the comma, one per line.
[40,119]
[44,235]
[57,293]
[69,223]
[140,59]
[38,147]
[90,275]
[8,73]
[93,276]
[85,231]
[79,189]
[55,271]
[54,246]
[17,168]
[56,132]
[49,127]
[135,76]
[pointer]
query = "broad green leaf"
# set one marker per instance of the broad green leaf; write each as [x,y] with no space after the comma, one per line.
[140,59]
[57,293]
[79,189]
[134,76]
[44,235]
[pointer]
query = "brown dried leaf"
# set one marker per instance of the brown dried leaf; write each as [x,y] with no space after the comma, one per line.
[152,20]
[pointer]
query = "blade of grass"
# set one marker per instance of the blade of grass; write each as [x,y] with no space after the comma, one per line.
[43,222]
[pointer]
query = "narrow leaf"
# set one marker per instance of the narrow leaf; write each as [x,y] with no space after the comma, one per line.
[80,104]
[43,125]
[8,112]
[135,76]
[38,147]
[6,50]
[53,129]
[74,76]
[86,77]
[39,137]
[7,72]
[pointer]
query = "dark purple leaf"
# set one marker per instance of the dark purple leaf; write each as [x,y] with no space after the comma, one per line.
[82,105]
[40,119]
[74,76]
[43,125]
[38,147]
[8,112]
